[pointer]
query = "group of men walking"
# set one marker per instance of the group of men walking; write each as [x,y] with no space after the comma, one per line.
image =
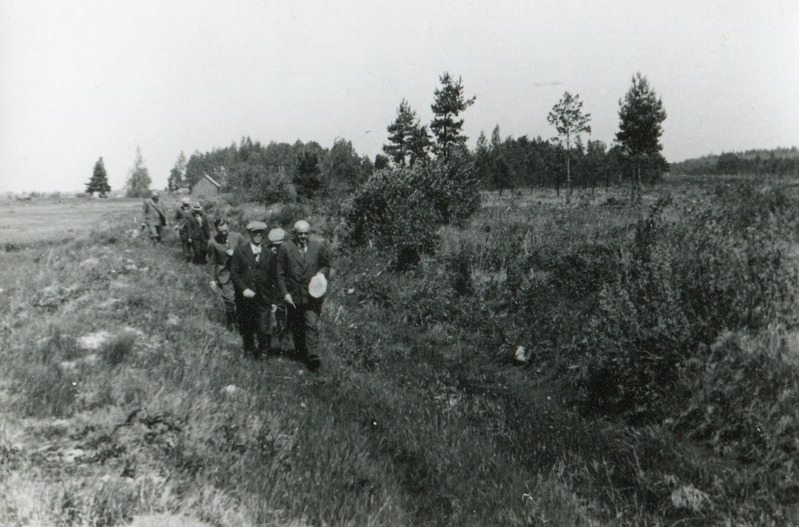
[270,286]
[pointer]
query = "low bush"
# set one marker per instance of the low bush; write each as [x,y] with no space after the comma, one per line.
[744,404]
[686,276]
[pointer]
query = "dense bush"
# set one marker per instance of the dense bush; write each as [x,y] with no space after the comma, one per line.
[393,212]
[744,403]
[400,209]
[452,187]
[686,276]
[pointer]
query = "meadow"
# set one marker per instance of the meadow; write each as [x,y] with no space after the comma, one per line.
[662,386]
[56,219]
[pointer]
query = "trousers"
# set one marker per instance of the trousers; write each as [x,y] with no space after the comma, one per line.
[253,317]
[303,322]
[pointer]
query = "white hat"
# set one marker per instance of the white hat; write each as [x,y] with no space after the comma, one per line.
[318,286]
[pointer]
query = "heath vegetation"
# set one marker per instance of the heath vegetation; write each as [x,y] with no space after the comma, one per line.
[662,383]
[658,384]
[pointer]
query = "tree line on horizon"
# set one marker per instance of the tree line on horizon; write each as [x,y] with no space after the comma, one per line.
[303,171]
[756,162]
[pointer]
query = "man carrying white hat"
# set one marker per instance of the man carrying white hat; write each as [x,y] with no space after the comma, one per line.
[303,266]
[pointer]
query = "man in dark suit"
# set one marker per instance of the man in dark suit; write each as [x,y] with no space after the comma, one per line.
[198,232]
[253,272]
[298,260]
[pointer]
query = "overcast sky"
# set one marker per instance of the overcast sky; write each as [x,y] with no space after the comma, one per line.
[84,79]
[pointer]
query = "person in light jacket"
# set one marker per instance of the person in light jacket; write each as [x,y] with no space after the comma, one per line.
[220,256]
[154,218]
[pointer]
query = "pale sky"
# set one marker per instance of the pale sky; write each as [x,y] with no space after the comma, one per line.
[83,79]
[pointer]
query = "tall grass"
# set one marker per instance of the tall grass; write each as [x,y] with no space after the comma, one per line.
[125,396]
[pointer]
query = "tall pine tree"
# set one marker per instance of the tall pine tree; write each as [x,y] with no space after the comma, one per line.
[138,184]
[569,120]
[400,135]
[177,174]
[448,105]
[500,170]
[99,180]
[409,142]
[641,115]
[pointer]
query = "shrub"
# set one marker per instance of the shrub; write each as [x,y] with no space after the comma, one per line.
[275,188]
[392,211]
[686,276]
[286,215]
[453,187]
[743,403]
[399,209]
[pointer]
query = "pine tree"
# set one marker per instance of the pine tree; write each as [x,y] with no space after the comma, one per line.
[307,174]
[138,184]
[640,116]
[420,146]
[568,119]
[99,180]
[500,170]
[449,103]
[482,160]
[177,175]
[400,135]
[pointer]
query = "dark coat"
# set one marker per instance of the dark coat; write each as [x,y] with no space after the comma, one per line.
[195,230]
[295,269]
[220,259]
[259,276]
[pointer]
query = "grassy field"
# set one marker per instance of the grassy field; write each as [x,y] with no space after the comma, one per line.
[123,398]
[51,219]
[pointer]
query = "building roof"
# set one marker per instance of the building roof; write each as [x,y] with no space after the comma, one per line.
[212,180]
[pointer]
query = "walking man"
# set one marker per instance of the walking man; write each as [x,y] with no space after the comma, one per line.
[278,322]
[300,261]
[154,217]
[253,273]
[199,232]
[220,254]
[181,222]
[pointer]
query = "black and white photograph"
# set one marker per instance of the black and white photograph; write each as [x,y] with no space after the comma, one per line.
[295,263]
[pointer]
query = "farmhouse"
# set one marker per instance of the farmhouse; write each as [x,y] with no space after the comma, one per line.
[205,187]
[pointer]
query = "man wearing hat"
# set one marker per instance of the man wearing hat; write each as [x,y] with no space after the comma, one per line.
[303,266]
[253,272]
[181,222]
[198,232]
[154,217]
[277,321]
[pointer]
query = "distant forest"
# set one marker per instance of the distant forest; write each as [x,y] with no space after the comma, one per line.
[780,161]
[283,171]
